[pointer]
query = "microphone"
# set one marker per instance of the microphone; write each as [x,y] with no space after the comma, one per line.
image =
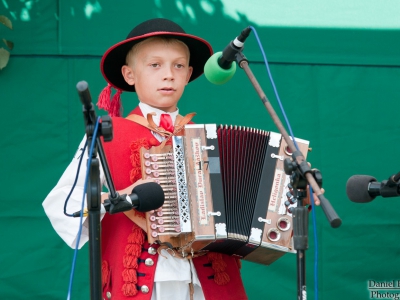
[84,94]
[221,66]
[144,197]
[364,188]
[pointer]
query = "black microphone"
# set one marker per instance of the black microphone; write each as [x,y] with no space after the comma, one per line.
[144,197]
[84,94]
[220,67]
[364,188]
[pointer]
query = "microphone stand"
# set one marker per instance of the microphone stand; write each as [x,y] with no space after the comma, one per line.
[300,225]
[114,204]
[297,166]
[300,242]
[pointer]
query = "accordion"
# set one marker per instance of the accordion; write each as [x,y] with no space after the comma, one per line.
[225,191]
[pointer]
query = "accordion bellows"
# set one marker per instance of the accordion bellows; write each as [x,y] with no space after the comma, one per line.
[225,191]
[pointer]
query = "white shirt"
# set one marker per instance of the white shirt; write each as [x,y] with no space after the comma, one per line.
[172,276]
[147,109]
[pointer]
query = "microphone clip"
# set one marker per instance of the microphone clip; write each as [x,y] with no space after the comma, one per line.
[386,188]
[297,172]
[233,51]
[117,204]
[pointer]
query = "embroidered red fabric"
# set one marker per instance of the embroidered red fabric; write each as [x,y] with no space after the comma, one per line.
[129,274]
[219,266]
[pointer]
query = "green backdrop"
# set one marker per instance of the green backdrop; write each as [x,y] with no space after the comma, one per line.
[340,86]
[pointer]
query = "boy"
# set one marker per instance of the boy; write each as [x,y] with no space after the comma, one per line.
[156,60]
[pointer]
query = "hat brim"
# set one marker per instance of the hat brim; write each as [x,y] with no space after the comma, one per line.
[115,56]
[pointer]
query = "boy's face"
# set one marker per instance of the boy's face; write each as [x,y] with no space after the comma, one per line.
[160,72]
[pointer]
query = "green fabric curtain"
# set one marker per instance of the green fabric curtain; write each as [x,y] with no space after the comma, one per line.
[340,89]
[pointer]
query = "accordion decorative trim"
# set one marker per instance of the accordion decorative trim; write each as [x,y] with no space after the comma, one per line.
[211,131]
[274,139]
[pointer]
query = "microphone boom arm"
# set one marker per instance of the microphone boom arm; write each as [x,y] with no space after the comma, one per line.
[298,157]
[115,203]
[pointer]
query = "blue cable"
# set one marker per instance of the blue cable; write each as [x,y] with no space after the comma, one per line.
[315,245]
[294,141]
[274,87]
[82,209]
[74,184]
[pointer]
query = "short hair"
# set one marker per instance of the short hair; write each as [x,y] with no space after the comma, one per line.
[167,40]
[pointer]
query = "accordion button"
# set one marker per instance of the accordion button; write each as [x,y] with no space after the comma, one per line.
[149,262]
[152,251]
[154,234]
[144,289]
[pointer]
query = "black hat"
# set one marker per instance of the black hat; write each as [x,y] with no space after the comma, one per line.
[115,57]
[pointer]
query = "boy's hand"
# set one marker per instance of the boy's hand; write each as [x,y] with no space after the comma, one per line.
[128,190]
[316,200]
[307,201]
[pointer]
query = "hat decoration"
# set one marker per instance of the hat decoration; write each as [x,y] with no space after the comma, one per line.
[111,105]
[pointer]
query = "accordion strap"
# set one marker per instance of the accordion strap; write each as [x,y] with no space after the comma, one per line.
[148,122]
[176,253]
[180,121]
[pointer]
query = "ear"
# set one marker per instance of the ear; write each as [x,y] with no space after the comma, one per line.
[128,74]
[190,71]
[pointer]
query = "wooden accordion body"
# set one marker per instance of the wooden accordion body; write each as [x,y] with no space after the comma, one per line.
[225,191]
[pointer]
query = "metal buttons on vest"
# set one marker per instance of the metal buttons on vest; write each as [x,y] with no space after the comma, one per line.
[149,262]
[152,251]
[144,289]
[108,294]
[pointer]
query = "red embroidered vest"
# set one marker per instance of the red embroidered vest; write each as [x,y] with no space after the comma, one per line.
[129,262]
